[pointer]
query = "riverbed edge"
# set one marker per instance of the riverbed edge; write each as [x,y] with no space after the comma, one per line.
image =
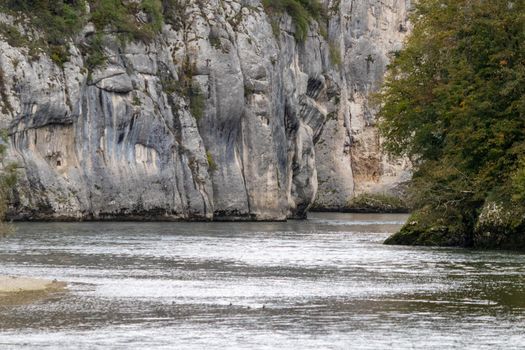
[22,290]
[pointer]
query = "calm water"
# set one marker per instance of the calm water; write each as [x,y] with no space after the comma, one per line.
[325,283]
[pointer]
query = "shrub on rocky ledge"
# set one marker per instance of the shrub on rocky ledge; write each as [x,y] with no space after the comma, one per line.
[301,12]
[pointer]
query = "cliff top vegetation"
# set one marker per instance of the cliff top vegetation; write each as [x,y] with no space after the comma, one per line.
[60,20]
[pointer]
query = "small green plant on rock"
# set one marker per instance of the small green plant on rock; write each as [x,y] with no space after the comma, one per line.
[136,101]
[4,99]
[8,178]
[335,54]
[197,102]
[301,12]
[215,41]
[211,162]
[59,55]
[95,55]
[12,35]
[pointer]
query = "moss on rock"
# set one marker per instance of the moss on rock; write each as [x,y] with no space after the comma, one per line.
[430,228]
[499,225]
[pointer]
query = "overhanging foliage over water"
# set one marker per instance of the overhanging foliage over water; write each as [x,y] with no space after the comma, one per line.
[455,104]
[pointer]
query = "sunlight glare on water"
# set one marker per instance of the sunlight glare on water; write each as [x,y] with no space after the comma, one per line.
[324,283]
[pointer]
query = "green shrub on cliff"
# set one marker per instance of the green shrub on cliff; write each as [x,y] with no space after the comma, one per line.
[454,103]
[123,19]
[7,181]
[301,11]
[57,18]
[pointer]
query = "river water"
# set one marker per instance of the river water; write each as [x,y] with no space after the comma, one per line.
[323,283]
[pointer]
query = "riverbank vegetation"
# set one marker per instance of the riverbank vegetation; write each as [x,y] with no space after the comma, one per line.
[377,203]
[454,103]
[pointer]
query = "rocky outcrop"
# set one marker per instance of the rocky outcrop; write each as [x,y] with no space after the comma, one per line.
[500,225]
[218,117]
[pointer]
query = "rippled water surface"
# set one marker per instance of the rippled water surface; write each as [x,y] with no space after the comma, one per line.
[324,283]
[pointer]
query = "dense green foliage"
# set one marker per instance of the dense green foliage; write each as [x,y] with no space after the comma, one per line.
[454,103]
[301,11]
[56,17]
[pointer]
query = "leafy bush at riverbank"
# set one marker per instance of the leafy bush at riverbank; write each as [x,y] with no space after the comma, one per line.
[454,103]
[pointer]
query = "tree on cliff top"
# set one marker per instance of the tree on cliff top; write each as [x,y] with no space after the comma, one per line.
[454,103]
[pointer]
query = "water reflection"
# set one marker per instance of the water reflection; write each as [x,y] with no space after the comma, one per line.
[323,283]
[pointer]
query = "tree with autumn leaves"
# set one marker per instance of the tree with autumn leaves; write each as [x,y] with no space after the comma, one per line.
[454,103]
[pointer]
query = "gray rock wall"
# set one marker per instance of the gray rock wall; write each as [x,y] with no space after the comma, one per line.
[349,157]
[281,123]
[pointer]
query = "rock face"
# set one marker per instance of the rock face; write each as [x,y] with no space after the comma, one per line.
[500,225]
[265,120]
[349,157]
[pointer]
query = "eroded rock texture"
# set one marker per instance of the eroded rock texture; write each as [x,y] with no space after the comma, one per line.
[349,157]
[275,117]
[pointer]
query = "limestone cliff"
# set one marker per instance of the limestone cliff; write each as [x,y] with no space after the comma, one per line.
[349,157]
[266,118]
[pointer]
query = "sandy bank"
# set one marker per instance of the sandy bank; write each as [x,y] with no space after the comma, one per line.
[15,290]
